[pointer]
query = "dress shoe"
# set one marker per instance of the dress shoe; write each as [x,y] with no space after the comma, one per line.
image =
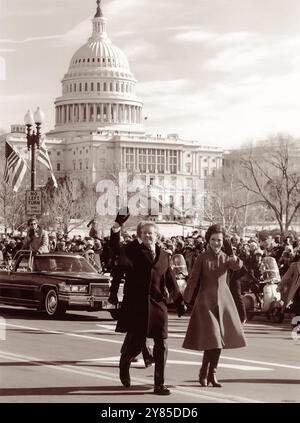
[202,380]
[161,390]
[203,374]
[148,361]
[212,379]
[124,374]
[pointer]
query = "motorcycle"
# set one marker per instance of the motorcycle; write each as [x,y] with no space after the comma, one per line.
[268,301]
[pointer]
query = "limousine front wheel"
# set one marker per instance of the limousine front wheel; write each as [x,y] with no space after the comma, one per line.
[51,304]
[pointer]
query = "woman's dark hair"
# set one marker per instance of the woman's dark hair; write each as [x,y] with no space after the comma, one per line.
[32,219]
[214,229]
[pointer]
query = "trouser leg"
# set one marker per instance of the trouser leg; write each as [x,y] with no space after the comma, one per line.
[160,353]
[146,351]
[131,347]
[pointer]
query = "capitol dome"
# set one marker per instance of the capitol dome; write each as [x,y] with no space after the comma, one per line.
[99,89]
[99,53]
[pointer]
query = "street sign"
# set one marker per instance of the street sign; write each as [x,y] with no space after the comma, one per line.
[33,202]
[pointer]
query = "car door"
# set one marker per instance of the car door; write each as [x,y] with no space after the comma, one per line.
[22,285]
[17,285]
[5,285]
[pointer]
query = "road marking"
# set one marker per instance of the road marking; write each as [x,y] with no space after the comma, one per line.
[244,360]
[182,351]
[140,363]
[188,391]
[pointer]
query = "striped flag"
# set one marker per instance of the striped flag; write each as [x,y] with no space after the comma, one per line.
[15,167]
[44,158]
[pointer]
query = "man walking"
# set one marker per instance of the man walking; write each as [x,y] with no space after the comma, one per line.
[144,313]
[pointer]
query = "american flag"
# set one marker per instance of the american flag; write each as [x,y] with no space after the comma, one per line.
[15,167]
[44,158]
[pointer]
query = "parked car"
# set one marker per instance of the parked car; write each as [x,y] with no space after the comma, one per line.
[54,282]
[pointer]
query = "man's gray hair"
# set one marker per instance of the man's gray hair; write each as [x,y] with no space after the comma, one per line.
[150,223]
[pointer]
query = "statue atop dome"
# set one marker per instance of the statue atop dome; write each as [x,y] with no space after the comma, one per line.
[98,11]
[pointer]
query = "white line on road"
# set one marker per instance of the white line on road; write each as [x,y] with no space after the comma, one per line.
[140,363]
[190,392]
[182,351]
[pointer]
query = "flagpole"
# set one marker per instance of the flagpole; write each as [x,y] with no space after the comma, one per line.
[33,139]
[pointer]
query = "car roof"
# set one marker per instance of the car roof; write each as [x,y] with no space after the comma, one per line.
[59,254]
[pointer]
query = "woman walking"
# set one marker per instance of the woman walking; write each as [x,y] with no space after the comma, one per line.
[214,323]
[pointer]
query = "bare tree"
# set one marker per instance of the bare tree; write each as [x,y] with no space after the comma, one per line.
[272,178]
[68,206]
[226,202]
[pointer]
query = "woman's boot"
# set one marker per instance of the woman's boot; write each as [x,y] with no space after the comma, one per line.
[214,360]
[204,369]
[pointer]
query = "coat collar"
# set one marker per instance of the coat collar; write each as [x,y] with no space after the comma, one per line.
[212,253]
[147,253]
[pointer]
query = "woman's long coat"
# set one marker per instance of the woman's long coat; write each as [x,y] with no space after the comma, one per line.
[147,285]
[214,322]
[289,283]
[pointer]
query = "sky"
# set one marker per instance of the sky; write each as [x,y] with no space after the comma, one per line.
[221,72]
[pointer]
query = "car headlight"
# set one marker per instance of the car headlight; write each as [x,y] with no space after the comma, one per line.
[63,287]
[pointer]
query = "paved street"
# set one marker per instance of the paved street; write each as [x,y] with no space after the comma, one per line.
[76,360]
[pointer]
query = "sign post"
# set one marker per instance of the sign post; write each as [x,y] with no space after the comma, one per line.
[33,203]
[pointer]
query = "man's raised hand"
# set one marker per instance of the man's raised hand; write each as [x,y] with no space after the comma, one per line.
[122,216]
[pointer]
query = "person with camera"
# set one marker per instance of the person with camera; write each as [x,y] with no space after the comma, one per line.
[37,238]
[144,312]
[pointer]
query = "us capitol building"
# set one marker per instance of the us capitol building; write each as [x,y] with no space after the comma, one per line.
[99,125]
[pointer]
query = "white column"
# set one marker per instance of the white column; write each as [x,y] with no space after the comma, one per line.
[168,161]
[114,109]
[137,159]
[147,163]
[95,113]
[101,113]
[131,114]
[109,113]
[117,113]
[123,113]
[134,158]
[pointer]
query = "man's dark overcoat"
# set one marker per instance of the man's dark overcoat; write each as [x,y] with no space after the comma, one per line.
[148,282]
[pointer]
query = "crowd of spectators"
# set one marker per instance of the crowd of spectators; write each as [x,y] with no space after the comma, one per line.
[285,251]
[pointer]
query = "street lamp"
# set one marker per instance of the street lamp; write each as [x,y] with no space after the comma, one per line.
[33,139]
